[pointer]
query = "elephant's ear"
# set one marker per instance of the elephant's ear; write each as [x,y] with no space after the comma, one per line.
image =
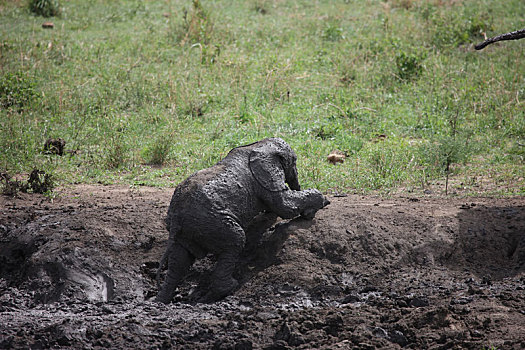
[266,166]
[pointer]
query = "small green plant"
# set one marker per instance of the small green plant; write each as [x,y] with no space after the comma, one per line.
[261,6]
[9,186]
[195,107]
[347,74]
[333,32]
[157,152]
[454,29]
[387,164]
[197,26]
[210,53]
[410,64]
[326,131]
[45,8]
[440,154]
[405,4]
[17,90]
[244,112]
[38,182]
[117,155]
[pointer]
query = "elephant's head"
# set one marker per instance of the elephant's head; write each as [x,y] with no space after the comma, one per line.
[273,164]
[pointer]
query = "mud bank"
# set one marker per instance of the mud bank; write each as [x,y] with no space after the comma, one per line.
[366,273]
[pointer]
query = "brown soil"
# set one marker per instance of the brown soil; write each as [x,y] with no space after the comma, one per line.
[366,273]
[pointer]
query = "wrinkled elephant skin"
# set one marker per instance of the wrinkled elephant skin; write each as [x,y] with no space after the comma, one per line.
[210,211]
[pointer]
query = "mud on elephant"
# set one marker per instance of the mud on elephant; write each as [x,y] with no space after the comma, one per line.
[210,210]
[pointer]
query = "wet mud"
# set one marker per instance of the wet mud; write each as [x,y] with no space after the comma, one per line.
[366,273]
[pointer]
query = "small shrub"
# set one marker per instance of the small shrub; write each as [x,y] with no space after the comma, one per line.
[39,182]
[326,132]
[117,155]
[210,53]
[329,129]
[261,6]
[347,74]
[440,155]
[442,152]
[382,163]
[197,26]
[387,165]
[405,4]
[245,115]
[157,152]
[45,8]
[409,65]
[17,90]
[195,107]
[457,29]
[333,32]
[10,187]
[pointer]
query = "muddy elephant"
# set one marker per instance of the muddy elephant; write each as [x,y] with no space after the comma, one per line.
[210,211]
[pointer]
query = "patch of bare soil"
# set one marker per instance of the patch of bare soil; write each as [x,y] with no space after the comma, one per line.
[366,273]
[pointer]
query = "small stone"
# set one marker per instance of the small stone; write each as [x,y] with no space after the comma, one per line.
[476,334]
[380,332]
[398,338]
[419,302]
[351,298]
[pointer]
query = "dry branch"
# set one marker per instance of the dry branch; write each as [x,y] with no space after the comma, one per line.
[518,34]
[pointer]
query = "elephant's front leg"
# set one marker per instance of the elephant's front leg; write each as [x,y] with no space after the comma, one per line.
[179,262]
[289,204]
[222,282]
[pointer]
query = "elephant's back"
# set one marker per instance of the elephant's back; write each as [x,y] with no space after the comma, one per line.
[201,178]
[189,192]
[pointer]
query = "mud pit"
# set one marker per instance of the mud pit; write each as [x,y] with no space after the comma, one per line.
[366,273]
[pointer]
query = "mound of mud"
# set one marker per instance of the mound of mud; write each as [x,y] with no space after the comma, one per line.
[366,273]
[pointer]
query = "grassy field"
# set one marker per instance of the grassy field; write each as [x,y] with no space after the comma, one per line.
[147,92]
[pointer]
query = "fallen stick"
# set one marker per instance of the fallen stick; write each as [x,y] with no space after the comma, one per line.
[518,34]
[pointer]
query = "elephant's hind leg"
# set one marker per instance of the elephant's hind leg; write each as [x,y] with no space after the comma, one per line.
[179,262]
[222,281]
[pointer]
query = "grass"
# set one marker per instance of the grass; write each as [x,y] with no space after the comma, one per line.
[145,93]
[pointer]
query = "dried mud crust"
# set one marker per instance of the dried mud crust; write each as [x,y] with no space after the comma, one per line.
[366,273]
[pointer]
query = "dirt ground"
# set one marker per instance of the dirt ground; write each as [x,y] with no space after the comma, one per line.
[366,273]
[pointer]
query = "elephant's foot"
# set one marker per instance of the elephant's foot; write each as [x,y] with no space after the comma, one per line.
[217,292]
[164,297]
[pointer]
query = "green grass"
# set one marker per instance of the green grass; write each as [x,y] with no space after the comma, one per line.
[396,85]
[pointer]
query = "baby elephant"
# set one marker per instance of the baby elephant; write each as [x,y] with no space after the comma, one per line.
[211,209]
